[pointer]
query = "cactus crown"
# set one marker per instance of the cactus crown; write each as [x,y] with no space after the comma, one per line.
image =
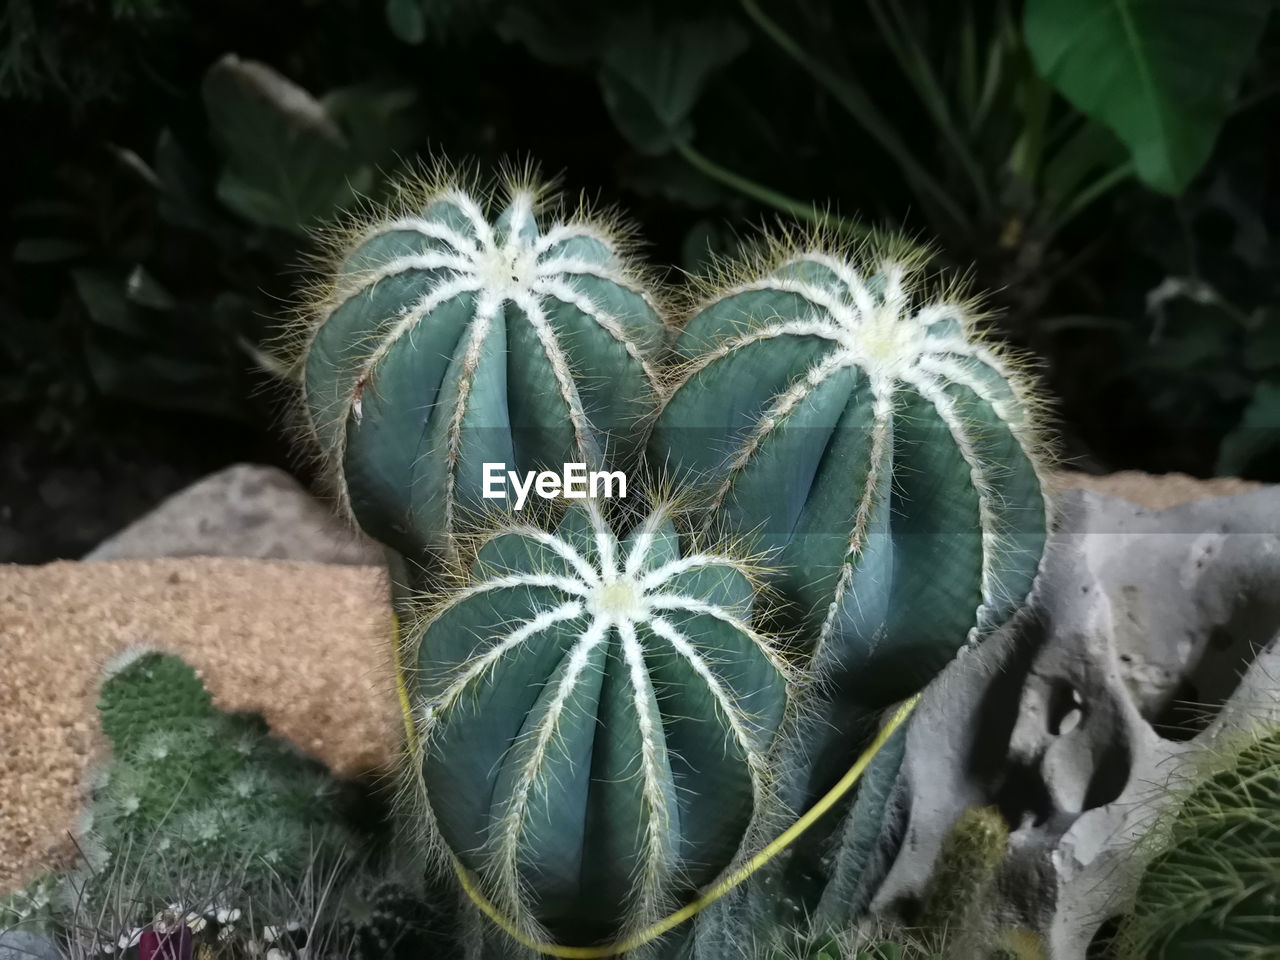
[594,719]
[442,339]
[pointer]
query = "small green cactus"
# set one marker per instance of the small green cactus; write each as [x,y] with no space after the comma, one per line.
[1212,891]
[1016,943]
[595,716]
[187,782]
[965,870]
[441,340]
[206,816]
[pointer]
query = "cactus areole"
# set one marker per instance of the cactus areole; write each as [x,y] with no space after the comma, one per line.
[868,437]
[445,341]
[594,717]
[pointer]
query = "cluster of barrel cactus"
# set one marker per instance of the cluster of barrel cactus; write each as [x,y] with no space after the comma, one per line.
[611,709]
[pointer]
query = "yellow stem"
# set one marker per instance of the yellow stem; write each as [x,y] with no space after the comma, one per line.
[669,922]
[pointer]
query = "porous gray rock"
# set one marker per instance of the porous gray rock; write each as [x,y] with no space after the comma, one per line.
[1149,635]
[245,510]
[26,945]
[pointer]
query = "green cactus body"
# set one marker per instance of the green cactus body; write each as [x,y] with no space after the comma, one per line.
[876,446]
[965,872]
[445,342]
[858,861]
[190,785]
[1212,892]
[595,716]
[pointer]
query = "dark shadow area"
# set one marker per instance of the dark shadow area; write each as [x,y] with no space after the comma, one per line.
[1224,658]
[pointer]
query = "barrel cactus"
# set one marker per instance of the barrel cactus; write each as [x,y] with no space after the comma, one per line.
[594,716]
[881,452]
[879,447]
[440,340]
[886,458]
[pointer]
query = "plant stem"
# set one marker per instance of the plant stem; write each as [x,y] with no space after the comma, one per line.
[770,197]
[1089,194]
[914,62]
[850,94]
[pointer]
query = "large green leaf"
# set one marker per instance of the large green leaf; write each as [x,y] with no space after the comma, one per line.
[288,163]
[407,20]
[652,79]
[1162,74]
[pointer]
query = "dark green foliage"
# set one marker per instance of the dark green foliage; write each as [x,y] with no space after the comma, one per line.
[693,116]
[1175,72]
[43,45]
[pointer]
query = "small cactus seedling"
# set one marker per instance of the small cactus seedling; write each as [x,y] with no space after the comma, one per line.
[443,340]
[965,870]
[189,784]
[594,720]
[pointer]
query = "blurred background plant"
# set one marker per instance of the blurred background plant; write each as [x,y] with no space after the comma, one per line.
[1113,187]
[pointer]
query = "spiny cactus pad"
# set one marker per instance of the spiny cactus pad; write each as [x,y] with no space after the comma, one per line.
[595,716]
[862,429]
[444,341]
